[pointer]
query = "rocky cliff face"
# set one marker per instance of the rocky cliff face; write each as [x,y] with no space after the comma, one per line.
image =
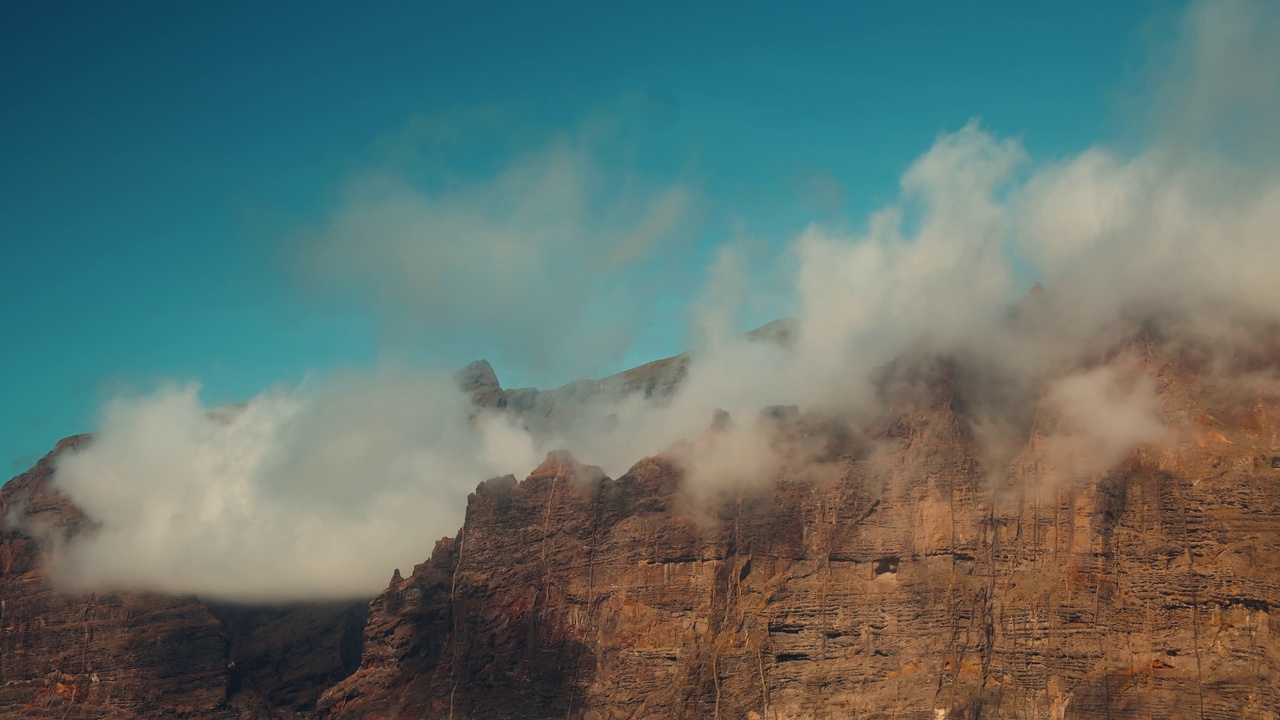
[896,569]
[901,566]
[123,656]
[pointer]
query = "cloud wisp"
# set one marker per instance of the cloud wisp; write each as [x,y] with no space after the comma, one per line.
[515,262]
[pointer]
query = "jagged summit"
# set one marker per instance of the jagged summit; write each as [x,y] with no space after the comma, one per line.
[480,381]
[478,375]
[543,410]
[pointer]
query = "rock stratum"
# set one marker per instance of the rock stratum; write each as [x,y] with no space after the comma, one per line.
[893,567]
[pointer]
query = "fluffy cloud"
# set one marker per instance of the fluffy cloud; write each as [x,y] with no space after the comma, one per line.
[304,493]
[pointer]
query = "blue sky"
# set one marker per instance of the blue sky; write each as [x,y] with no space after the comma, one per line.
[167,167]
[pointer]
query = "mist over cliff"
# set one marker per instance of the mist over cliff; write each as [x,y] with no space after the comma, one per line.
[319,490]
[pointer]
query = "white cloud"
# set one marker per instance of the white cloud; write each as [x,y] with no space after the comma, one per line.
[864,298]
[305,493]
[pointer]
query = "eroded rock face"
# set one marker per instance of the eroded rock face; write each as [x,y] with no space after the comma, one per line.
[892,572]
[123,655]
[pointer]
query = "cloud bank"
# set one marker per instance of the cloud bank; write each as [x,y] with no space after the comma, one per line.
[320,490]
[517,262]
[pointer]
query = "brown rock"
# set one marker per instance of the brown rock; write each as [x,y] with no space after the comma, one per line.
[479,381]
[889,576]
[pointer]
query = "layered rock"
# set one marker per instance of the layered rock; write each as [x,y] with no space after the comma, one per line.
[898,570]
[127,655]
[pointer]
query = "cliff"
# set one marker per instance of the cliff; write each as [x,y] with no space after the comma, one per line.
[918,563]
[124,656]
[893,569]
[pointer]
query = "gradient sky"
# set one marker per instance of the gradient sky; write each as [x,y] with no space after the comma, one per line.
[163,166]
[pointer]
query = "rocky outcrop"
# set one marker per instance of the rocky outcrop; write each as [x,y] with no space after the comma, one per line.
[479,381]
[894,570]
[124,655]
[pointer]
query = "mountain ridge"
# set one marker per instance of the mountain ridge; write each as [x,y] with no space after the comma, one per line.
[912,584]
[895,565]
